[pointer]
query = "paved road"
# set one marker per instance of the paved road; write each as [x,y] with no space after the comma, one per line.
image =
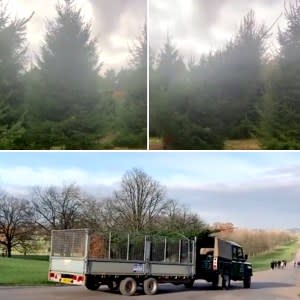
[266,285]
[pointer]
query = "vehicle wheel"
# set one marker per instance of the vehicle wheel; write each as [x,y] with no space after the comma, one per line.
[189,284]
[226,281]
[150,286]
[113,285]
[247,282]
[128,286]
[91,283]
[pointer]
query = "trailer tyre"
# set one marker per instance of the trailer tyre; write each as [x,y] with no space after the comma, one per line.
[247,282]
[150,286]
[92,283]
[128,286]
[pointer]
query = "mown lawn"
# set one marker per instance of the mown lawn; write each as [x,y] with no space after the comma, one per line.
[24,270]
[287,252]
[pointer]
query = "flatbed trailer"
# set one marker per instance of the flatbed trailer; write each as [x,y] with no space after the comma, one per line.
[121,261]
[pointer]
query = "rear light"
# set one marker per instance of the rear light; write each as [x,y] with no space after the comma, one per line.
[51,274]
[80,278]
[215,264]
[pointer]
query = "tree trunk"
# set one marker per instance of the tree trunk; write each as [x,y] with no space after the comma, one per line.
[9,248]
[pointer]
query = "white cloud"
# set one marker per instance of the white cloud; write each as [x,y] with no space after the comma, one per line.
[26,176]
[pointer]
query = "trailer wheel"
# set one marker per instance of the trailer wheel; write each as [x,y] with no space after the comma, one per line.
[189,284]
[247,282]
[113,285]
[150,286]
[128,286]
[91,283]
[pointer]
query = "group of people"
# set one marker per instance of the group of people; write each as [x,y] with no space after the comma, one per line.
[278,264]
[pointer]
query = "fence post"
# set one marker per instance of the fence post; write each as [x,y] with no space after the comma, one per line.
[179,257]
[128,245]
[109,244]
[165,250]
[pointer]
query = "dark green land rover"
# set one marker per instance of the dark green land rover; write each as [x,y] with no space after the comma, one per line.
[220,262]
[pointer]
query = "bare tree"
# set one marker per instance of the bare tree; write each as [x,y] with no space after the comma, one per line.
[92,214]
[16,220]
[57,207]
[138,203]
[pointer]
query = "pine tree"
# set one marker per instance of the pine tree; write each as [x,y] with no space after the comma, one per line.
[134,81]
[69,67]
[285,121]
[12,56]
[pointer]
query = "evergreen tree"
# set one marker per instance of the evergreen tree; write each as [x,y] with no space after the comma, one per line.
[12,58]
[134,83]
[69,66]
[285,121]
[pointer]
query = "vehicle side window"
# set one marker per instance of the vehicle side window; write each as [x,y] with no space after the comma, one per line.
[240,253]
[234,252]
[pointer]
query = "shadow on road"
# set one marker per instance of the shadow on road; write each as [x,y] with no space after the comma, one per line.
[269,285]
[169,289]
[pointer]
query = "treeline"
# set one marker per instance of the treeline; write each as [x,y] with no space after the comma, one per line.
[61,101]
[254,241]
[241,91]
[139,205]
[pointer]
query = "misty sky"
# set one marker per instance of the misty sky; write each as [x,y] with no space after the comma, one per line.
[256,190]
[116,23]
[199,26]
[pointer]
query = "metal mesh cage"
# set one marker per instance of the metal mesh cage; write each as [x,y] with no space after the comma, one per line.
[69,243]
[158,248]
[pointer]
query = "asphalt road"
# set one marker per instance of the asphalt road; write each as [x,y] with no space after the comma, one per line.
[266,285]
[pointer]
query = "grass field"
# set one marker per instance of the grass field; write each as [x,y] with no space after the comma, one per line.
[287,252]
[24,270]
[247,144]
[156,143]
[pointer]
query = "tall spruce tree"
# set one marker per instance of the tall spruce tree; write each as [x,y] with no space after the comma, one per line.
[134,82]
[12,59]
[68,111]
[284,126]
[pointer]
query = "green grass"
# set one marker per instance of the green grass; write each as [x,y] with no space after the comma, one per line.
[243,144]
[287,252]
[24,270]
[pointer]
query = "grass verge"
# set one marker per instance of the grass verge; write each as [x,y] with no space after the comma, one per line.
[24,270]
[287,252]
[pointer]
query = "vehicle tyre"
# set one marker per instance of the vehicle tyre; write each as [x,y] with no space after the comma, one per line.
[150,286]
[226,281]
[113,285]
[91,283]
[128,286]
[189,284]
[247,282]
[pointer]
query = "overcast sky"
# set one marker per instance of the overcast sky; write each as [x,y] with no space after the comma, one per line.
[256,190]
[199,26]
[116,23]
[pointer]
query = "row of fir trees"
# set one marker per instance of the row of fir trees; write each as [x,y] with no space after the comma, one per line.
[244,90]
[61,101]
